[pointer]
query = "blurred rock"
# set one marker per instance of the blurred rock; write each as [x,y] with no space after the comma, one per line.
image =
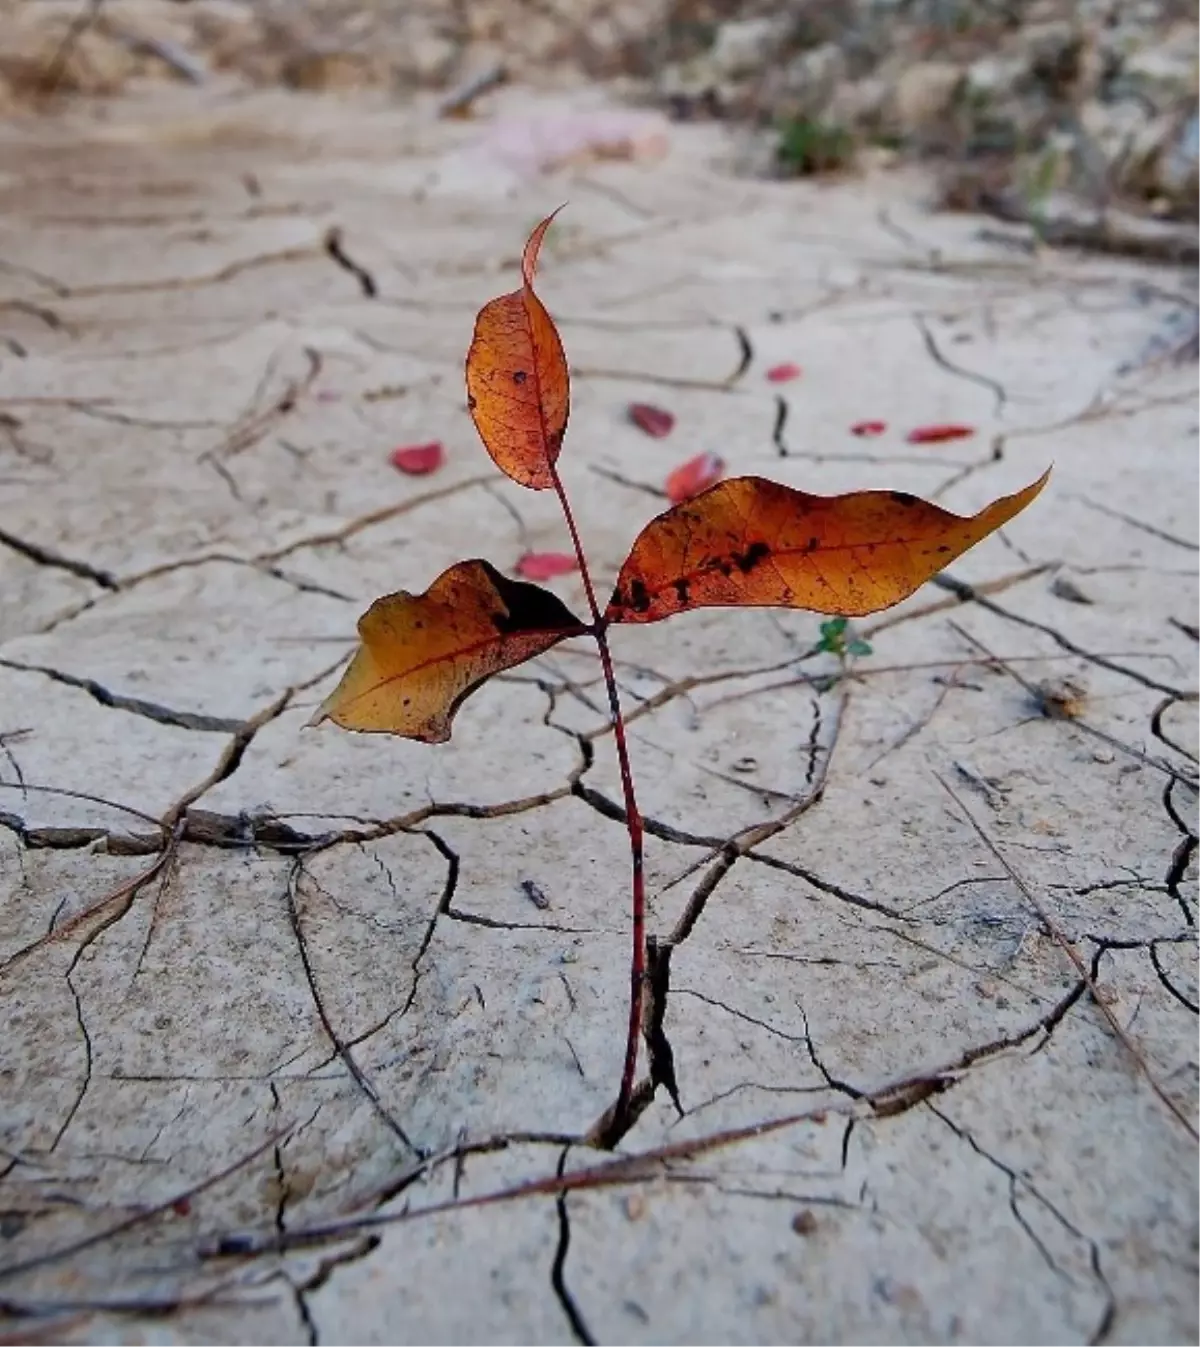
[1052,54]
[1164,72]
[812,80]
[326,72]
[1178,164]
[997,79]
[922,96]
[1111,127]
[742,47]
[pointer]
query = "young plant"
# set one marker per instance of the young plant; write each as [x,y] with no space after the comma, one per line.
[836,639]
[745,542]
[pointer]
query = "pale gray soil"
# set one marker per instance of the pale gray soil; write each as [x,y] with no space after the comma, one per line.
[254,976]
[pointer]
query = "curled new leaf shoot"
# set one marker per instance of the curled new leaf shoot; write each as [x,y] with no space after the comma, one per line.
[749,542]
[518,389]
[421,655]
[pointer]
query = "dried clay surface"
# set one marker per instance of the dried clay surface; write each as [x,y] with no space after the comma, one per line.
[270,994]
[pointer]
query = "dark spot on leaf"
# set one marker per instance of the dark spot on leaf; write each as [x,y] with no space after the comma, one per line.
[812,545]
[519,377]
[902,497]
[682,589]
[639,596]
[471,404]
[747,560]
[943,548]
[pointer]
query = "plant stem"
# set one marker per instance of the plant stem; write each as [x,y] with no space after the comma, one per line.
[633,817]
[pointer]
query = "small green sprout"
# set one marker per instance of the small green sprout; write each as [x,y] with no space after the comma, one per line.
[833,639]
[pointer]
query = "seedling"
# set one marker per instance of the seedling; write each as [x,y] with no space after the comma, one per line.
[745,542]
[836,639]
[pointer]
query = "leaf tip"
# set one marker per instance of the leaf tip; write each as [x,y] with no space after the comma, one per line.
[533,245]
[1035,489]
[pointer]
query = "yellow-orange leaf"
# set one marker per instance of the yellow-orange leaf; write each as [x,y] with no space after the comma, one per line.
[748,542]
[518,389]
[422,655]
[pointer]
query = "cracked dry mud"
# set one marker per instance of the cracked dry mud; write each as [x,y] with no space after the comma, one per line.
[259,982]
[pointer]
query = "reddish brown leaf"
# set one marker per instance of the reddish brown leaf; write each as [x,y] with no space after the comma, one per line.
[418,459]
[653,420]
[782,374]
[518,388]
[749,542]
[939,434]
[546,565]
[421,655]
[868,429]
[694,476]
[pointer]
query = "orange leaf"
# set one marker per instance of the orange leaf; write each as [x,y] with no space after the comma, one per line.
[422,655]
[752,543]
[694,476]
[518,389]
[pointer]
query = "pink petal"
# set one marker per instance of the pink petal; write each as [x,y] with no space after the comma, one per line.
[866,429]
[694,476]
[781,374]
[418,459]
[546,565]
[938,434]
[653,420]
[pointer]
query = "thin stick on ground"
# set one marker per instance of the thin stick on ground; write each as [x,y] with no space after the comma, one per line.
[1073,954]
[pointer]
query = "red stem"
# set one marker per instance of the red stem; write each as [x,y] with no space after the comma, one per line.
[633,817]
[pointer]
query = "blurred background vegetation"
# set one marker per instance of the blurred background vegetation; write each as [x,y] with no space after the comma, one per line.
[1019,104]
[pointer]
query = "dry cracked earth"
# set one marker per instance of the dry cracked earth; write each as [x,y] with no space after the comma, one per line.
[272,997]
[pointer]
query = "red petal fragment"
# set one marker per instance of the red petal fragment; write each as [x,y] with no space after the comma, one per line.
[418,459]
[653,420]
[938,434]
[866,429]
[694,476]
[546,565]
[782,374]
